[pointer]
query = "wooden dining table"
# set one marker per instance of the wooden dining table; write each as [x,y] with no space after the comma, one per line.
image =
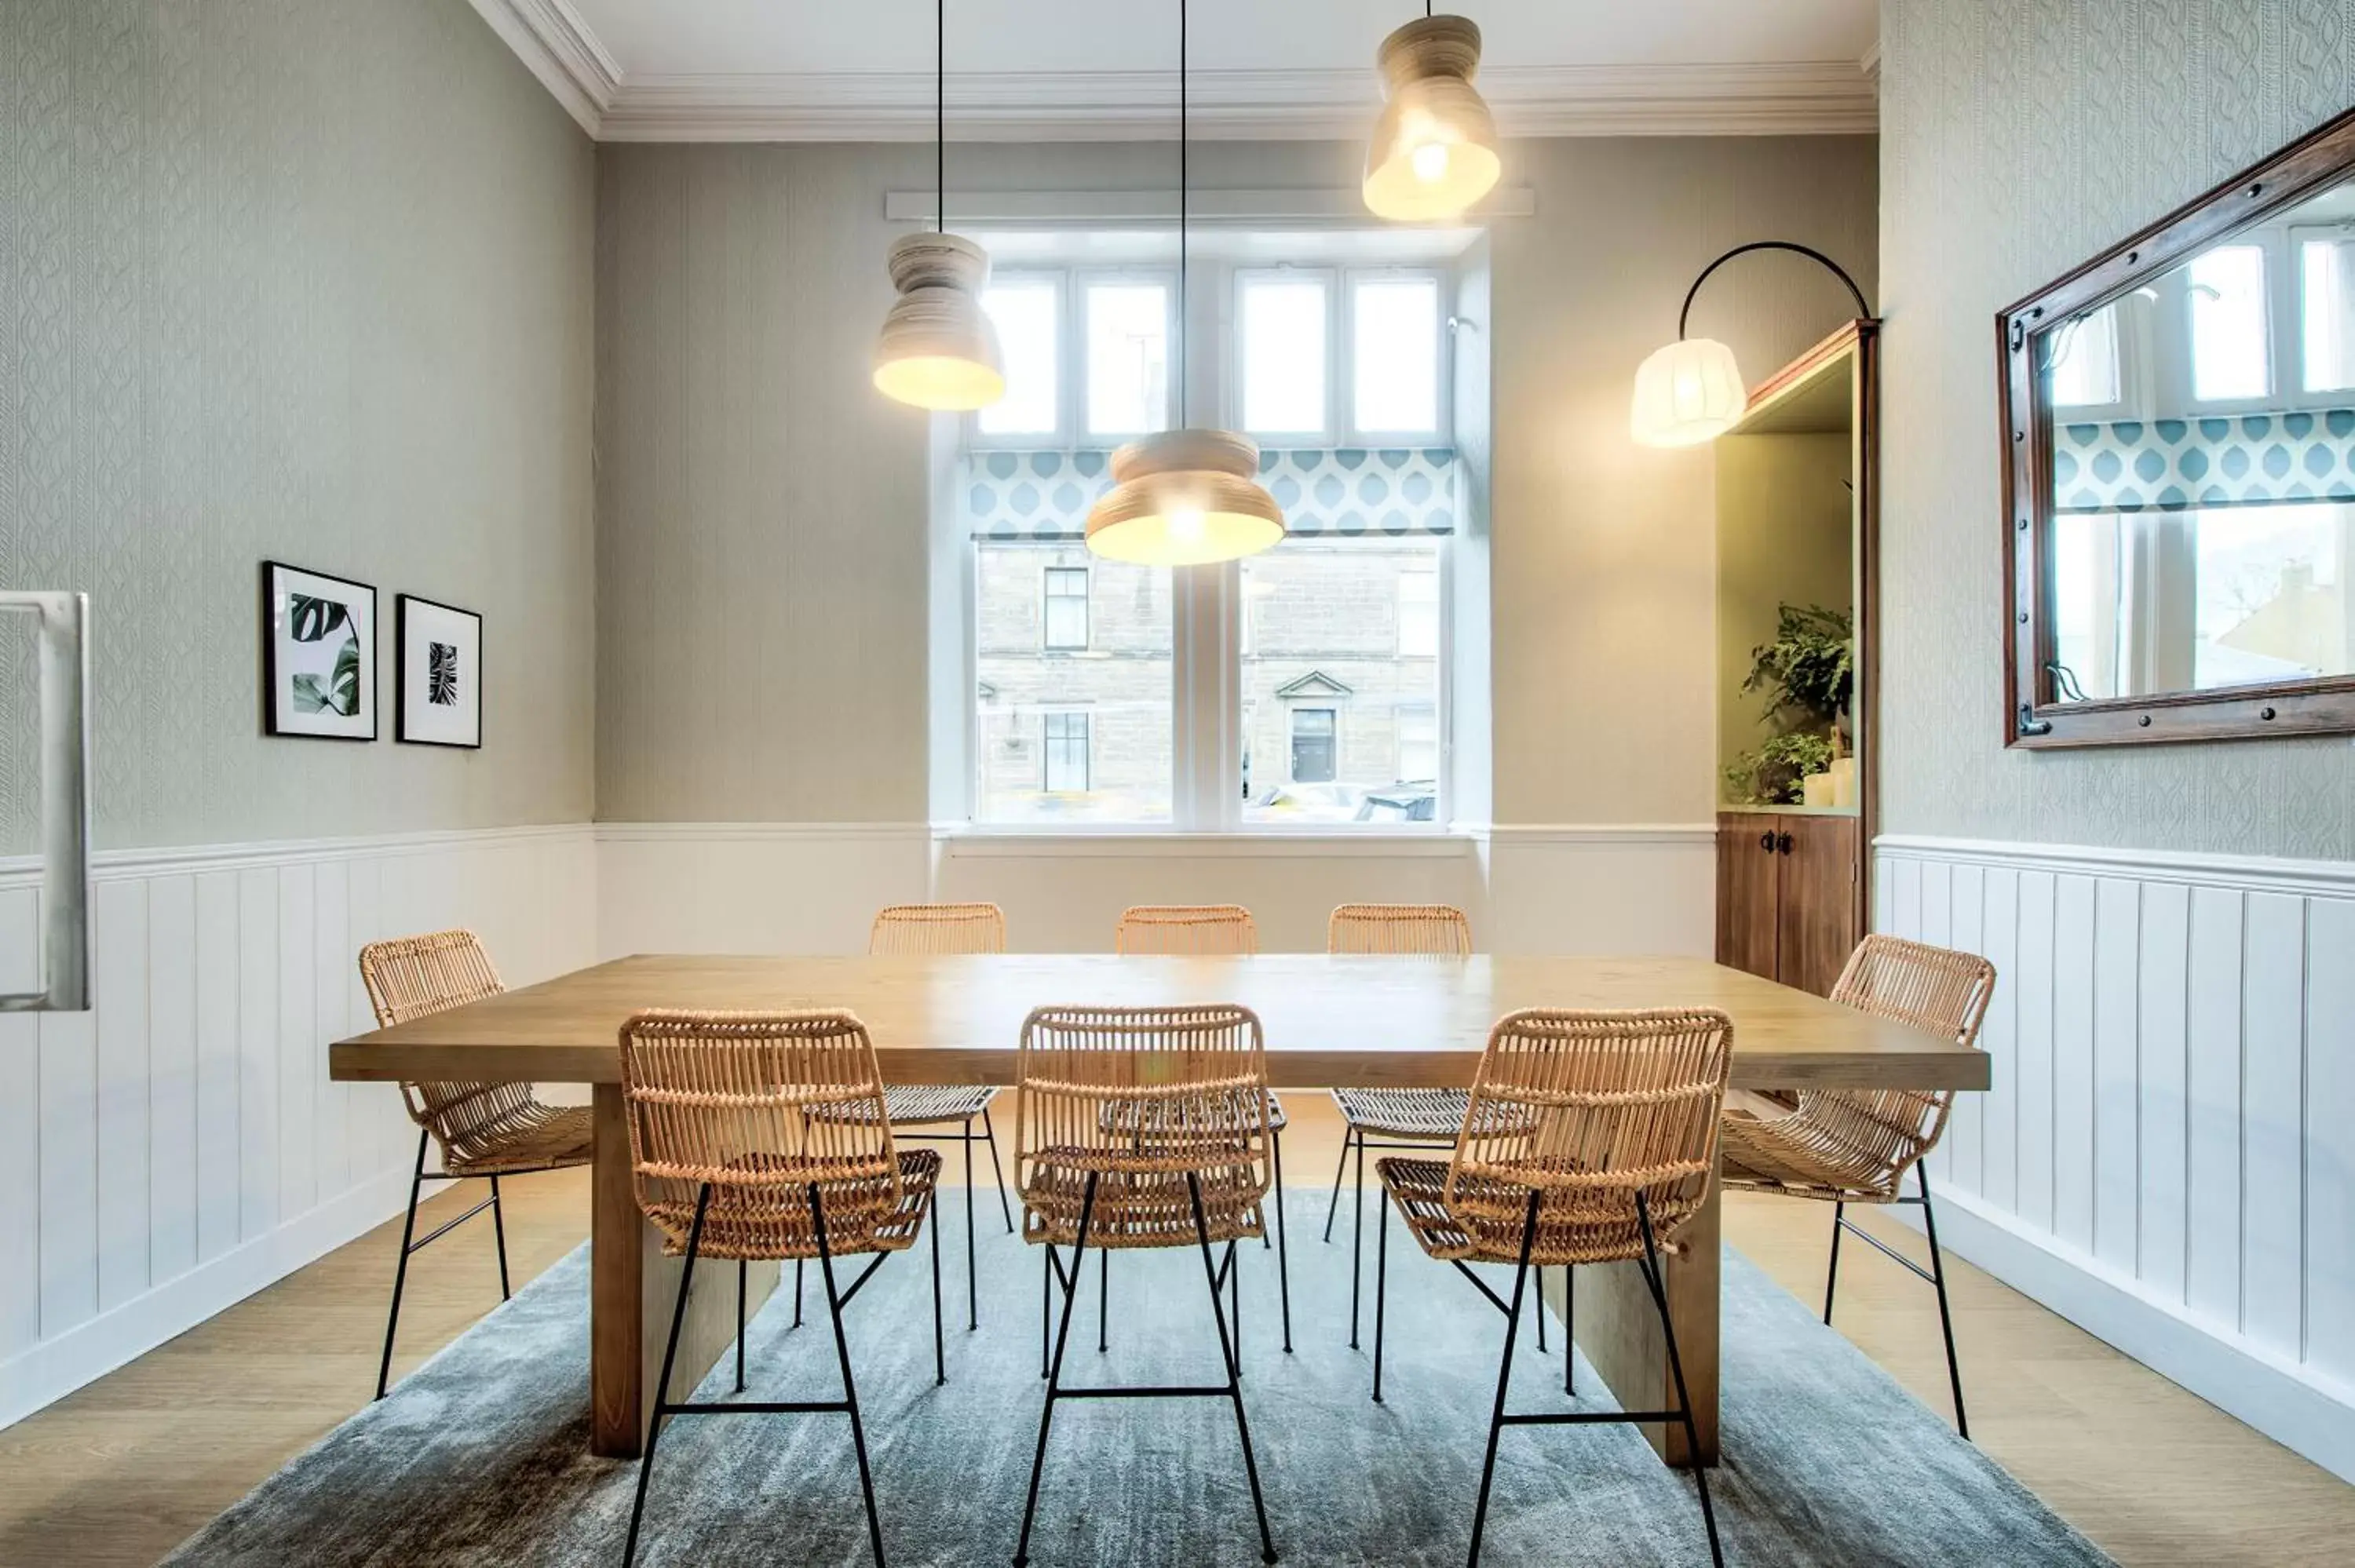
[1331,1021]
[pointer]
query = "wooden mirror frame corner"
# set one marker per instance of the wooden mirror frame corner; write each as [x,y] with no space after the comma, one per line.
[2323,705]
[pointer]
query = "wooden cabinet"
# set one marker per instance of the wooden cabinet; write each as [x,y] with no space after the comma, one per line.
[1786,895]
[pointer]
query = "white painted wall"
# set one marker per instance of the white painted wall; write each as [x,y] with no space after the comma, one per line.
[2167,1154]
[179,1145]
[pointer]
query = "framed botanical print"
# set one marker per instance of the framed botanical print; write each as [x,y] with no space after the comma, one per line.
[318,654]
[441,680]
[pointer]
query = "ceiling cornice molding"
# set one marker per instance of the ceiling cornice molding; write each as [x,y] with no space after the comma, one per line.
[1809,99]
[556,46]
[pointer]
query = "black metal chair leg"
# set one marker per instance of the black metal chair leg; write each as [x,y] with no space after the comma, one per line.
[742,1267]
[1276,1144]
[1357,1242]
[1382,1288]
[400,1269]
[1234,1363]
[990,1133]
[1652,1278]
[940,1354]
[1504,1375]
[1831,1274]
[1339,1171]
[1946,1316]
[1055,1369]
[1568,1326]
[849,1389]
[499,1229]
[1104,1300]
[662,1387]
[1283,1249]
[797,1293]
[1541,1313]
[1235,1301]
[972,1269]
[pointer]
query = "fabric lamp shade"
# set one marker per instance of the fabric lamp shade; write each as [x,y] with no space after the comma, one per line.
[938,348]
[1433,152]
[1185,498]
[1689,392]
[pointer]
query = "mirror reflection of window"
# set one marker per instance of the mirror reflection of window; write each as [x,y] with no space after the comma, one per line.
[2230,359]
[2086,361]
[2327,301]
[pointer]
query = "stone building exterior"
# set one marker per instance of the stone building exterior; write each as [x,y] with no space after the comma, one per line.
[1340,683]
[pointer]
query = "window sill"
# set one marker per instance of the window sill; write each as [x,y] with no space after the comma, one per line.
[971,841]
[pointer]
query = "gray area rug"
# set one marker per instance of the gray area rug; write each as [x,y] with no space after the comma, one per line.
[480,1458]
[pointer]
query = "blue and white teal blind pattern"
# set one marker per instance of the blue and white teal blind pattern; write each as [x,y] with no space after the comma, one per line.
[2175,465]
[1326,493]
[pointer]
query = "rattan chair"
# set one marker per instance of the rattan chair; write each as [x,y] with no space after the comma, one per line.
[1143,1128]
[729,1161]
[1591,1137]
[1394,1118]
[1213,931]
[911,929]
[483,1130]
[1850,1145]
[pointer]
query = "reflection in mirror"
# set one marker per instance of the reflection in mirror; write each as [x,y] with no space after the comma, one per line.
[2202,433]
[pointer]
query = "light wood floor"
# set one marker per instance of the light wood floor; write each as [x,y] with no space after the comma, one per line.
[125,1469]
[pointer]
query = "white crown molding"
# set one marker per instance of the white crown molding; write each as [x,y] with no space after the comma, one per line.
[556,46]
[1869,64]
[1817,98]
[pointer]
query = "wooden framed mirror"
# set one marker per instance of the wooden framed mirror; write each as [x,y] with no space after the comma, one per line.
[2179,454]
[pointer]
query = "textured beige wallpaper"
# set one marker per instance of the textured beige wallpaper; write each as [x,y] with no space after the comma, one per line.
[762,564]
[307,280]
[2018,139]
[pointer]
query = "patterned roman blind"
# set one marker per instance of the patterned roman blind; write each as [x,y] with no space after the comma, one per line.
[2176,465]
[1325,493]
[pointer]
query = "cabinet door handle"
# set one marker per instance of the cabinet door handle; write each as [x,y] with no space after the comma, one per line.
[1766,842]
[1782,843]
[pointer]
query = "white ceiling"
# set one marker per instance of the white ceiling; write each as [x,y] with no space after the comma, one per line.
[796,70]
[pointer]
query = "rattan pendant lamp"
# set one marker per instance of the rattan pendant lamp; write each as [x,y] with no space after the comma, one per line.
[1434,153]
[1184,497]
[938,349]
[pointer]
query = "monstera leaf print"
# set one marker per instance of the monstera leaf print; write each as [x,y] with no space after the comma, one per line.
[313,619]
[338,693]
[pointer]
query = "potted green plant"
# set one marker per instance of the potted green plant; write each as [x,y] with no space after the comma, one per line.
[1809,672]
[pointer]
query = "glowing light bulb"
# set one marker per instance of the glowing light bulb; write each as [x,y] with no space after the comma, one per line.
[1185,525]
[1429,163]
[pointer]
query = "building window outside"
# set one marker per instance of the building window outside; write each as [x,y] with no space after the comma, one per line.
[1065,753]
[1066,615]
[1313,737]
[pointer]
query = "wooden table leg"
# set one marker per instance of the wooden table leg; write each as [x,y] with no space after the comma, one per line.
[1619,1329]
[633,1286]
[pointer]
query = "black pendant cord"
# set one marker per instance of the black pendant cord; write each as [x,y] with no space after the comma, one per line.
[1685,315]
[1184,192]
[940,115]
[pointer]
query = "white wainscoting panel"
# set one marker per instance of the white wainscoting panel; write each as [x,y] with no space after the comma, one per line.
[2168,1153]
[179,1145]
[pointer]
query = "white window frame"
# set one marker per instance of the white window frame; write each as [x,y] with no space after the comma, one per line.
[1059,438]
[1334,282]
[1357,434]
[1342,427]
[1072,432]
[2295,238]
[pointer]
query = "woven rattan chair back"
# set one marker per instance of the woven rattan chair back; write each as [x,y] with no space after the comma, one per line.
[1419,931]
[726,1099]
[1206,930]
[1936,990]
[1137,1096]
[1589,1109]
[919,929]
[414,977]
